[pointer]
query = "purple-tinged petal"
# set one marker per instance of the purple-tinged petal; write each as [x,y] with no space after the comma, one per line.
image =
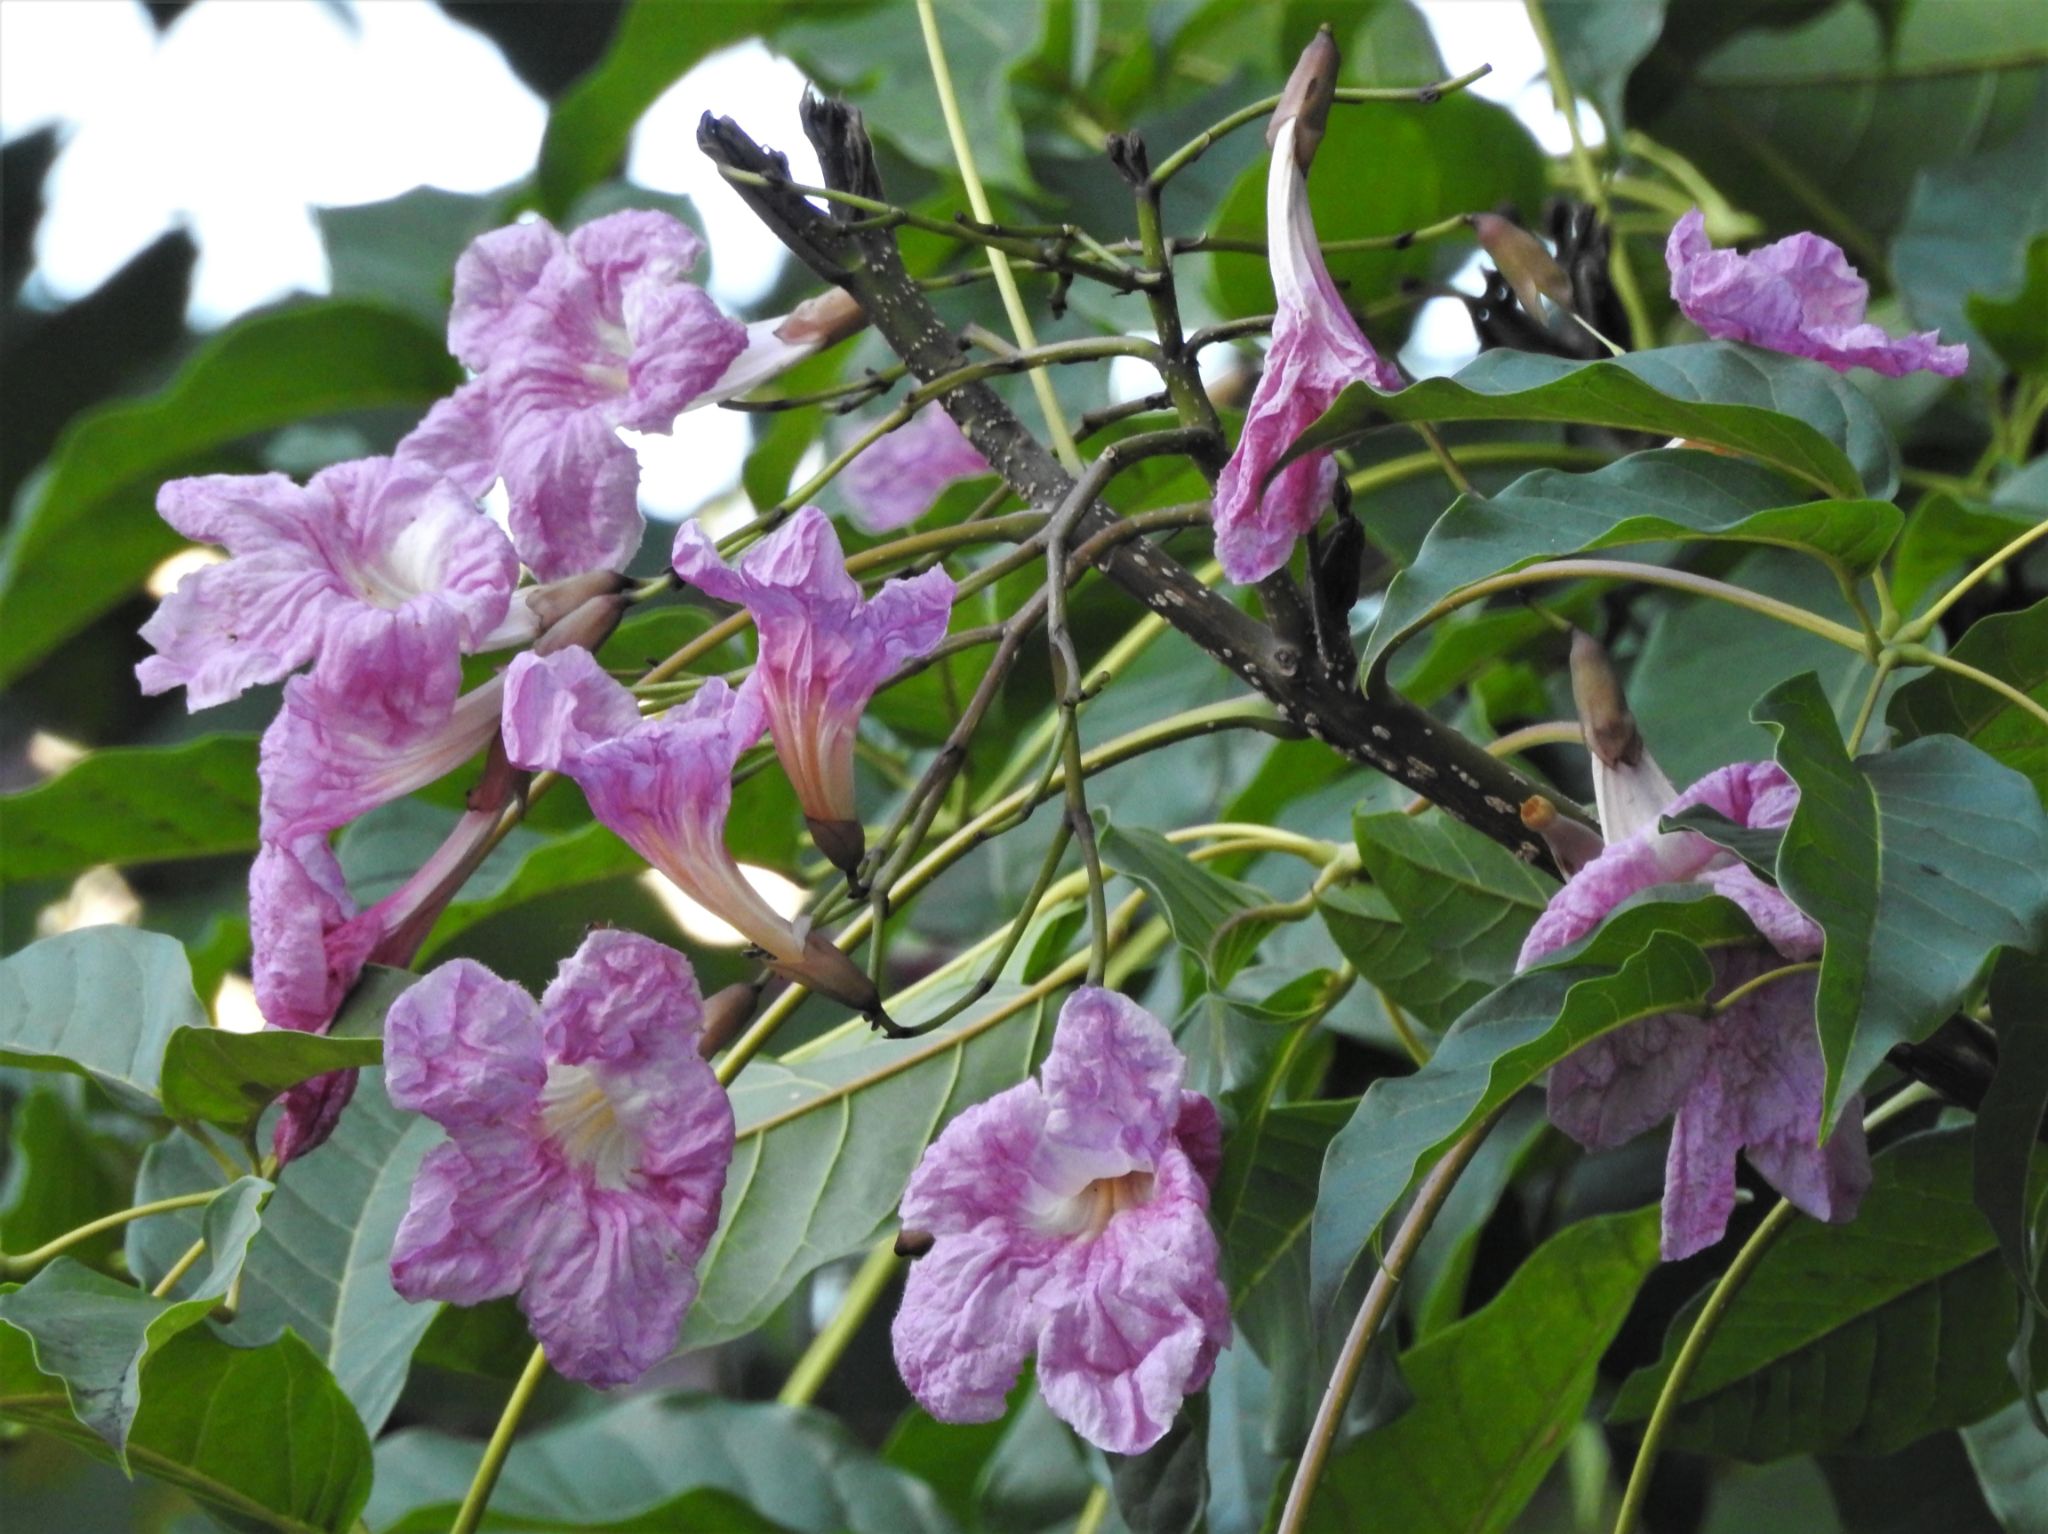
[682,346]
[468,1230]
[458,438]
[979,1169]
[297,901]
[559,709]
[494,279]
[1199,1133]
[1135,1317]
[609,1279]
[308,1114]
[896,480]
[464,1048]
[1113,1084]
[1317,351]
[1799,296]
[823,650]
[574,490]
[633,251]
[966,1324]
[1607,1092]
[623,1000]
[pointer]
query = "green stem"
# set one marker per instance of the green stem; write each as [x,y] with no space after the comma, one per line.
[1641,333]
[1200,144]
[1869,707]
[869,1283]
[1379,1299]
[1923,625]
[999,261]
[1920,655]
[28,1262]
[179,1269]
[486,1478]
[1653,575]
[1756,983]
[1093,1511]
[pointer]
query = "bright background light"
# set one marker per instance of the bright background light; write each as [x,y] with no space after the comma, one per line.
[242,118]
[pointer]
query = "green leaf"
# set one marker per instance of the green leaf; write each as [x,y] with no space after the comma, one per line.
[1755,845]
[1663,496]
[1462,155]
[1945,535]
[1271,1169]
[1231,1039]
[2011,1459]
[2010,1118]
[2014,648]
[2017,327]
[645,1463]
[1496,1394]
[96,1333]
[1646,959]
[87,533]
[1970,257]
[1165,1489]
[402,251]
[1855,1338]
[1207,911]
[589,855]
[1824,124]
[60,1175]
[321,1266]
[212,1076]
[134,804]
[1599,43]
[100,1002]
[1793,415]
[261,1436]
[828,1137]
[1917,863]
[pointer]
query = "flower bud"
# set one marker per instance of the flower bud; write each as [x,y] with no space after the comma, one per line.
[1628,785]
[1310,90]
[913,1243]
[553,602]
[586,628]
[1522,258]
[817,322]
[725,1013]
[843,842]
[1572,843]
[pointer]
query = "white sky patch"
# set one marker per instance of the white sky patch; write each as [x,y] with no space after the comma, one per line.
[784,896]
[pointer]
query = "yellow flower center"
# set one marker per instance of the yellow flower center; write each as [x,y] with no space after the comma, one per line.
[579,1116]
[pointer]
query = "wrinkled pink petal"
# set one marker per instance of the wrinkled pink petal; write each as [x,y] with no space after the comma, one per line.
[824,649]
[896,480]
[574,492]
[1070,1219]
[587,1154]
[494,278]
[1317,351]
[1799,296]
[365,544]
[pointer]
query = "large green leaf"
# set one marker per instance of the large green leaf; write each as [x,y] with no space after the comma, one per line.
[96,1333]
[100,1002]
[1790,414]
[2011,1459]
[1646,959]
[88,534]
[60,1174]
[1918,864]
[827,1143]
[1496,1394]
[212,1076]
[321,1266]
[134,804]
[1825,124]
[2017,327]
[586,856]
[261,1436]
[645,1464]
[2009,1123]
[2014,648]
[1663,496]
[1265,1200]
[1206,910]
[1600,42]
[1384,168]
[1856,1338]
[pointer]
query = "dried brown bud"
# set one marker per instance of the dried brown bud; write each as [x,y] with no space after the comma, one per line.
[1522,258]
[832,316]
[588,627]
[824,969]
[725,1013]
[1572,843]
[1306,100]
[913,1243]
[551,603]
[1603,707]
[843,842]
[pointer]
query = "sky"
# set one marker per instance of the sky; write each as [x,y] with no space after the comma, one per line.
[361,104]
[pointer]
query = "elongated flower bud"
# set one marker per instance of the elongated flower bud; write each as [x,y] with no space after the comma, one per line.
[1572,843]
[1628,785]
[1529,268]
[1306,100]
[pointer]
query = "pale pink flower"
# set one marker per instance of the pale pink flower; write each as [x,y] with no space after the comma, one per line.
[1069,1218]
[1800,296]
[587,1149]
[897,479]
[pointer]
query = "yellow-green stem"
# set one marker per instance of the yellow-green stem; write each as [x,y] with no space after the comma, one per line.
[999,262]
[179,1269]
[487,1470]
[868,1284]
[27,1262]
[1923,625]
[1920,655]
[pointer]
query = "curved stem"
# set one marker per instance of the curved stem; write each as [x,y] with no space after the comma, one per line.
[1871,693]
[1756,983]
[999,262]
[1379,1299]
[486,1478]
[868,1284]
[1923,625]
[1920,655]
[1651,575]
[179,1269]
[29,1261]
[1093,1511]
